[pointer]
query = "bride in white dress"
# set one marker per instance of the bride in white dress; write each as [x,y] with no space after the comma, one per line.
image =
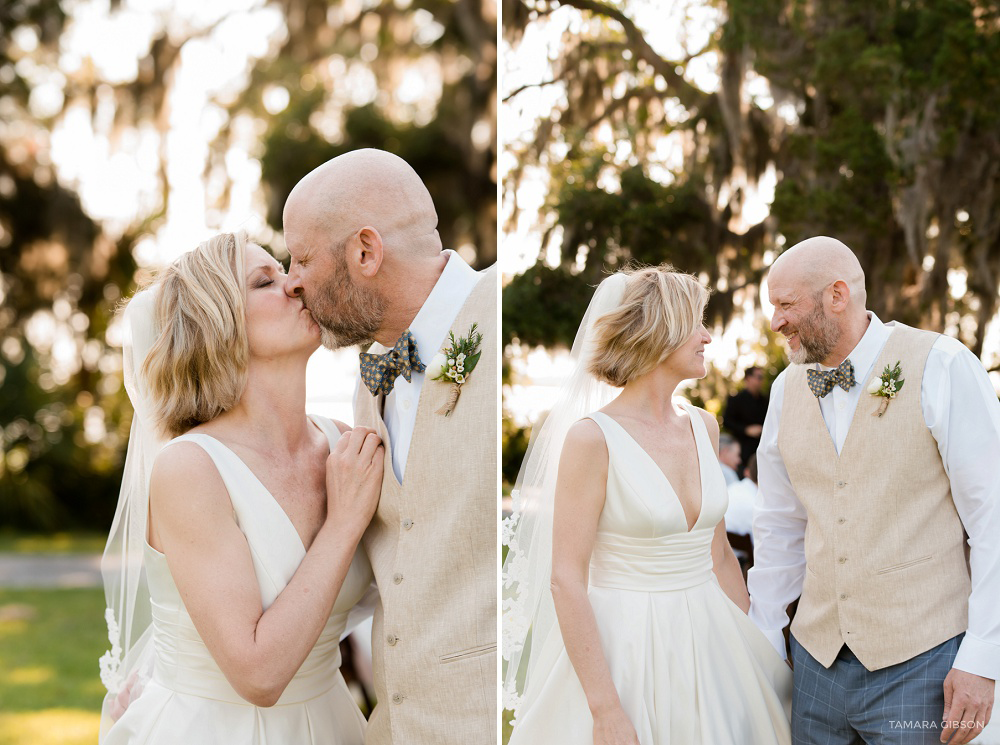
[226,606]
[643,637]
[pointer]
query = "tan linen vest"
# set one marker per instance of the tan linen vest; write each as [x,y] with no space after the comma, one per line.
[886,572]
[433,548]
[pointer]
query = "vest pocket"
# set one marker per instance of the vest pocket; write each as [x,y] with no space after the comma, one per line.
[904,565]
[467,653]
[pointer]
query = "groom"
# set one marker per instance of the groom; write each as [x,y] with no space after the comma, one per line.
[367,262]
[862,506]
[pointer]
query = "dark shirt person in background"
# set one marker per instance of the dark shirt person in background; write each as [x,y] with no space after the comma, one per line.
[745,412]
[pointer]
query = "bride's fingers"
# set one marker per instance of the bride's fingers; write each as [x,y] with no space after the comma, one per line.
[358,437]
[369,446]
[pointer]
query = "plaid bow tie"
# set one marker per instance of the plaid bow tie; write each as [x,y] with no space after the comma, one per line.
[379,371]
[822,382]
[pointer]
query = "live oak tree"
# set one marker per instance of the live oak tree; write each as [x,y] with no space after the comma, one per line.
[427,72]
[879,123]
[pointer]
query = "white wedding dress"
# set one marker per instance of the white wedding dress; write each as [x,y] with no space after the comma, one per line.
[690,668]
[188,700]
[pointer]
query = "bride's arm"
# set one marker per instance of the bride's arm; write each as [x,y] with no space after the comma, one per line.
[727,569]
[724,562]
[258,651]
[579,499]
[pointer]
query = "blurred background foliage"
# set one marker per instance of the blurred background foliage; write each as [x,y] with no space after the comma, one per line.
[876,123]
[308,79]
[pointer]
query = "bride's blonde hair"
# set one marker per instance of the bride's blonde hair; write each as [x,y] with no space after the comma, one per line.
[661,308]
[197,368]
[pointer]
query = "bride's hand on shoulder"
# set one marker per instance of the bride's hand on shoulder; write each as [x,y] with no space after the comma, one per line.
[354,471]
[614,728]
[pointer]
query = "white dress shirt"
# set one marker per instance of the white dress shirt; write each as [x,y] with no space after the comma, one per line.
[430,330]
[962,413]
[730,473]
[739,514]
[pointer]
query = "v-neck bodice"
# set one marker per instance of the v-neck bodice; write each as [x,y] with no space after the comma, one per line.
[643,541]
[183,662]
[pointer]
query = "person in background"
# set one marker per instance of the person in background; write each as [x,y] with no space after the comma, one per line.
[729,458]
[739,514]
[745,412]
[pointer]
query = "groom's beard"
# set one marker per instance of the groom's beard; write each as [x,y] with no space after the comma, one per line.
[818,335]
[347,314]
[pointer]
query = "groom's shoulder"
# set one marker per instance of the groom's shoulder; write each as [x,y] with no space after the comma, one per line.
[487,281]
[945,347]
[949,348]
[483,298]
[913,331]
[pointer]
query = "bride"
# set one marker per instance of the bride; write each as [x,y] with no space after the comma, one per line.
[228,596]
[625,609]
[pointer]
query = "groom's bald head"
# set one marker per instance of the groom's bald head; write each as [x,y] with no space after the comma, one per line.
[363,188]
[816,263]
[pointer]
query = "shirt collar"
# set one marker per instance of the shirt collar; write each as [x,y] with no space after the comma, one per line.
[864,353]
[432,322]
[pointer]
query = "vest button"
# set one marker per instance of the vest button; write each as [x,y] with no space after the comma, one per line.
[843,596]
[841,520]
[397,578]
[391,640]
[842,560]
[841,484]
[407,523]
[397,698]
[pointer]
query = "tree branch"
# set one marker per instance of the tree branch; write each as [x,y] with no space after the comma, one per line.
[526,86]
[689,95]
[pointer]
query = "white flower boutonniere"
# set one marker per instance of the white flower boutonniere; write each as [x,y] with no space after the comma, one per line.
[886,386]
[455,363]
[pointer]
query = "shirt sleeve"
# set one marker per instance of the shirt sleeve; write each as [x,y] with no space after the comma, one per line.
[962,412]
[779,526]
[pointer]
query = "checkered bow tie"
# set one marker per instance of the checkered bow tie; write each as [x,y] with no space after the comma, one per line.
[379,371]
[822,382]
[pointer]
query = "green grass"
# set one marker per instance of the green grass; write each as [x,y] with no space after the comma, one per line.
[54,543]
[50,688]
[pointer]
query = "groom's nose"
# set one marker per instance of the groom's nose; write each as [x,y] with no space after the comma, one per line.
[293,282]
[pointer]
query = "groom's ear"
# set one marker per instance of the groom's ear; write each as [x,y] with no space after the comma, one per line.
[841,296]
[369,251]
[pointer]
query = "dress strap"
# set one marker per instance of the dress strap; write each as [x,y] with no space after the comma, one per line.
[702,441]
[329,428]
[607,425]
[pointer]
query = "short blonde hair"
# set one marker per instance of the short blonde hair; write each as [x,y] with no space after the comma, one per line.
[197,367]
[660,309]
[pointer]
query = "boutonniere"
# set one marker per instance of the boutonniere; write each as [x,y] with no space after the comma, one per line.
[455,363]
[886,386]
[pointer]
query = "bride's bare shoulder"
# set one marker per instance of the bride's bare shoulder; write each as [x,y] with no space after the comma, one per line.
[585,440]
[186,468]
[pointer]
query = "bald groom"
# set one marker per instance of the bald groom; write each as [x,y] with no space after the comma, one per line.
[367,261]
[863,507]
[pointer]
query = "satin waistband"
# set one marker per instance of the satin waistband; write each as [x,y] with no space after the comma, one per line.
[665,564]
[184,664]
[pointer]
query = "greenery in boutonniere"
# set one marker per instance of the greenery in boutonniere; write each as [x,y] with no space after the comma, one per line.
[455,363]
[886,386]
